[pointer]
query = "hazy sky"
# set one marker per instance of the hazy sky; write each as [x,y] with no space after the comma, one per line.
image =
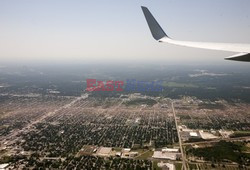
[81,30]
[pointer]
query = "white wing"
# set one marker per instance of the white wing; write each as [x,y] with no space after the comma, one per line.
[161,36]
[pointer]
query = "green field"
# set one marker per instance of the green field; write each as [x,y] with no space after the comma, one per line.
[140,101]
[179,85]
[240,134]
[145,155]
[217,167]
[222,151]
[192,166]
[155,166]
[178,166]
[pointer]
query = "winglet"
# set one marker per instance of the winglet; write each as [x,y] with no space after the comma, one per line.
[155,28]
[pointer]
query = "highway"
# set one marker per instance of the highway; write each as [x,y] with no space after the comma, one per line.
[184,166]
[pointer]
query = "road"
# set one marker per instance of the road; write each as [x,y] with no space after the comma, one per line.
[184,166]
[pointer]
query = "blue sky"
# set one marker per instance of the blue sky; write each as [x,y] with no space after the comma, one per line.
[91,30]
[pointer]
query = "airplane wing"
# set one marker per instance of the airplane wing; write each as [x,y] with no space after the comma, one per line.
[158,33]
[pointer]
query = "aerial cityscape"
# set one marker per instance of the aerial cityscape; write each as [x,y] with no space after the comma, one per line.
[124,85]
[44,126]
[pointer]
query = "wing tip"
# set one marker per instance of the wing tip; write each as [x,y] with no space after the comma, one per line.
[156,30]
[245,57]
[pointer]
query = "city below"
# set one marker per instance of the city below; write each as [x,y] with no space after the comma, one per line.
[42,128]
